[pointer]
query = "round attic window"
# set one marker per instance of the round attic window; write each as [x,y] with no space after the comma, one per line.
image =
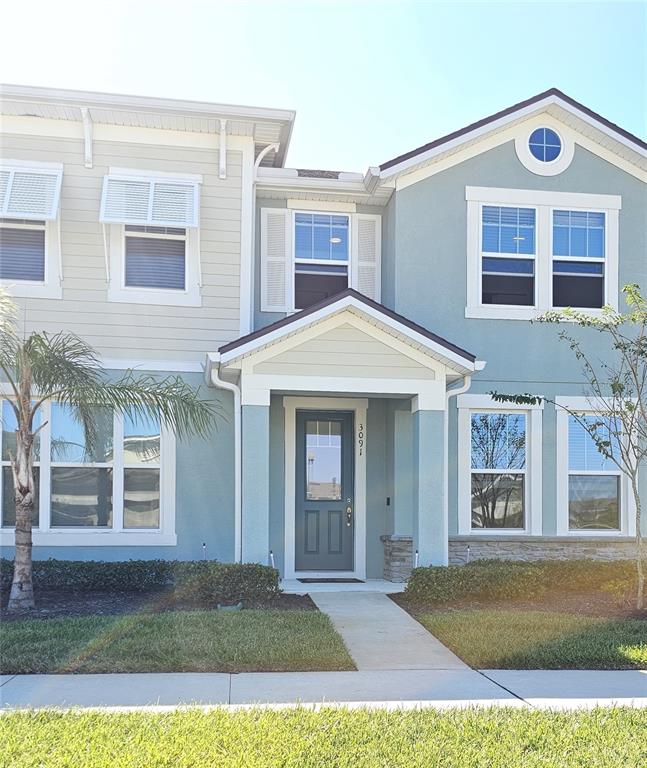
[545,145]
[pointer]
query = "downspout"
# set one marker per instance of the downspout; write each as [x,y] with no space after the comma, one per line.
[467,382]
[213,367]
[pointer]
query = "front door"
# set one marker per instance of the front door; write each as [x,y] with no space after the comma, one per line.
[325,518]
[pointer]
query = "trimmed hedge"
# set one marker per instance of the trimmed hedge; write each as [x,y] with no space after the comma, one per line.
[204,580]
[505,579]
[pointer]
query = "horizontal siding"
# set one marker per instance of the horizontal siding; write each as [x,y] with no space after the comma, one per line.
[347,348]
[140,331]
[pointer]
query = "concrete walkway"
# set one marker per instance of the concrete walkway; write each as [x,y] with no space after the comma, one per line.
[375,689]
[380,635]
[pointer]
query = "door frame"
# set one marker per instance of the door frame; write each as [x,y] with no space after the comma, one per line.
[358,406]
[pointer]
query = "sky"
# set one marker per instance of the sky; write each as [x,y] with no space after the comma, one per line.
[369,79]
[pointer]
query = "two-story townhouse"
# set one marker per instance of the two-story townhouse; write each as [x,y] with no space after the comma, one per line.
[329,315]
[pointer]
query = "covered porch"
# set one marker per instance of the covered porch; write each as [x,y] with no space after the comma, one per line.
[342,434]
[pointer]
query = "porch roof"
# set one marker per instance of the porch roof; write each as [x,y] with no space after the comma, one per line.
[421,338]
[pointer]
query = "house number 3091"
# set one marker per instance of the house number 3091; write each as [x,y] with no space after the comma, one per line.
[360,439]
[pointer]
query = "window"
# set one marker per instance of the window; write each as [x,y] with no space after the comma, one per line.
[543,149]
[578,259]
[152,237]
[7,453]
[499,467]
[22,250]
[81,480]
[155,257]
[309,256]
[121,490]
[593,495]
[30,261]
[593,480]
[142,443]
[529,251]
[321,254]
[506,235]
[545,145]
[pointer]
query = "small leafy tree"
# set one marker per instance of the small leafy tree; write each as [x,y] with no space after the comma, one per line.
[617,387]
[64,368]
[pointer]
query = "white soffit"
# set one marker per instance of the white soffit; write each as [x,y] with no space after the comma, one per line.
[266,126]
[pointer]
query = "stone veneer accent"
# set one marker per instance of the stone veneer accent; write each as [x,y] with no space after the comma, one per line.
[398,557]
[539,548]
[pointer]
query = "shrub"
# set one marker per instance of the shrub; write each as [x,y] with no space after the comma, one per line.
[206,580]
[505,579]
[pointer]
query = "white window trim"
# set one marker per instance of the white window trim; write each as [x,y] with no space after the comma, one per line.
[471,403]
[627,506]
[544,203]
[51,286]
[119,292]
[529,161]
[45,535]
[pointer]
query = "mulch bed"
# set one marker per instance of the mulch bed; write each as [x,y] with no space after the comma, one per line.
[56,604]
[599,604]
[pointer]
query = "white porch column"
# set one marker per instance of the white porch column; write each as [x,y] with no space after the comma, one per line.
[430,530]
[256,483]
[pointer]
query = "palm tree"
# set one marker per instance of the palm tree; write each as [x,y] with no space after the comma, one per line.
[64,368]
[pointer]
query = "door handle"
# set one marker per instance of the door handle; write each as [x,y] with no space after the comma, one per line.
[349,515]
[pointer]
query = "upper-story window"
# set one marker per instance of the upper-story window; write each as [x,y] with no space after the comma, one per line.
[578,258]
[554,250]
[508,260]
[545,145]
[309,256]
[30,263]
[321,256]
[152,236]
[155,257]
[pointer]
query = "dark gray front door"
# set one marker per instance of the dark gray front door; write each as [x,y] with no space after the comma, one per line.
[325,513]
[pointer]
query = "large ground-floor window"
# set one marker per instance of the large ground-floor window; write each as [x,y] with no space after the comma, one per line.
[122,484]
[499,467]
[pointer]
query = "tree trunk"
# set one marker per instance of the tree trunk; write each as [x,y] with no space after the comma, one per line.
[21,597]
[639,547]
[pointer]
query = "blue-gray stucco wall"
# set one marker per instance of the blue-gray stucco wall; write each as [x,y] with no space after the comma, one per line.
[425,273]
[204,509]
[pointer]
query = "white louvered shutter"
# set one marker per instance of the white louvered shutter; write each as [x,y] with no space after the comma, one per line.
[149,202]
[276,260]
[27,193]
[365,271]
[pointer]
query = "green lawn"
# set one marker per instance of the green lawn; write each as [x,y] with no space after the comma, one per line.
[519,639]
[501,738]
[195,641]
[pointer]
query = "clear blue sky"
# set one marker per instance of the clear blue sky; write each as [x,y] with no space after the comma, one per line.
[369,80]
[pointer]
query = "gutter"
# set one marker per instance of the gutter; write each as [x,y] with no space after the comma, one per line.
[212,377]
[466,384]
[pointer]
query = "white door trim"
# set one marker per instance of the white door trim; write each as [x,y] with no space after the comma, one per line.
[359,406]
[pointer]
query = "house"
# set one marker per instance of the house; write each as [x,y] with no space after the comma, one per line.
[348,325]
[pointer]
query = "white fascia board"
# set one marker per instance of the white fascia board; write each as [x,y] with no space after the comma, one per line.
[502,122]
[454,360]
[144,104]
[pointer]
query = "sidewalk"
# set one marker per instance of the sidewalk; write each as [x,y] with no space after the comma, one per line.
[556,689]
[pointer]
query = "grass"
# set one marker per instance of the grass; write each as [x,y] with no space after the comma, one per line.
[521,639]
[177,641]
[329,738]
